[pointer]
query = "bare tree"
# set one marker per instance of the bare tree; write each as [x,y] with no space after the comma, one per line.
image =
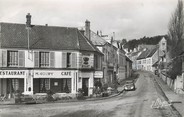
[175,34]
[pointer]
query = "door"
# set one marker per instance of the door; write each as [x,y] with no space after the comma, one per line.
[85,86]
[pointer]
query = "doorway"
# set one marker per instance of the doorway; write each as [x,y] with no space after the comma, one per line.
[85,86]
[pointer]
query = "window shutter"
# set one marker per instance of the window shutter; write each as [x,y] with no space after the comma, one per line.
[52,59]
[74,60]
[4,58]
[36,59]
[64,54]
[1,59]
[21,58]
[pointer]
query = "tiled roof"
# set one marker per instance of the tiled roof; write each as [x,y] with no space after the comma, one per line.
[144,54]
[147,53]
[43,37]
[97,40]
[152,51]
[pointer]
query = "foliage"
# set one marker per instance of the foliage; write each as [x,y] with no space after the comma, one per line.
[49,95]
[176,33]
[80,95]
[144,40]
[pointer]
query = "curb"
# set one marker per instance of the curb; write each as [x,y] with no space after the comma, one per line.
[166,98]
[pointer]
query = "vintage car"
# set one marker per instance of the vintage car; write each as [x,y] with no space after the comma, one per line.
[129,85]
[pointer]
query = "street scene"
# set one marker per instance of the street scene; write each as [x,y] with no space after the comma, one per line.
[128,104]
[113,58]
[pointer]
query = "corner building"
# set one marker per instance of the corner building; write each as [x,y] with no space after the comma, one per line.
[39,58]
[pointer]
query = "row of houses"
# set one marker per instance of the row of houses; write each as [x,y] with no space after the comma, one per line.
[37,58]
[147,57]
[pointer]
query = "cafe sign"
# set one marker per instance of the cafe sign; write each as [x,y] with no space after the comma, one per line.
[53,74]
[12,73]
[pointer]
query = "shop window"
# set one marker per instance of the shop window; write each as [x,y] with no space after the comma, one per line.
[12,58]
[44,59]
[68,60]
[66,86]
[44,85]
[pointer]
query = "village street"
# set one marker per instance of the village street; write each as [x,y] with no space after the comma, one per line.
[129,104]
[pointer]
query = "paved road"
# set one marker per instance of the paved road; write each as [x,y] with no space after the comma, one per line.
[129,104]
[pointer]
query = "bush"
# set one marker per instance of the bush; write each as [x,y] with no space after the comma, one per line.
[18,95]
[49,95]
[80,95]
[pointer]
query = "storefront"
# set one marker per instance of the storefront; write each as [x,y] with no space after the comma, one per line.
[98,75]
[58,81]
[12,81]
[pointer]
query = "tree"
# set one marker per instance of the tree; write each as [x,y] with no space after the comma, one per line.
[175,34]
[123,41]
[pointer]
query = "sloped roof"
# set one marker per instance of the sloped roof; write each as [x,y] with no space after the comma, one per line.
[144,54]
[128,59]
[152,51]
[97,40]
[147,53]
[43,37]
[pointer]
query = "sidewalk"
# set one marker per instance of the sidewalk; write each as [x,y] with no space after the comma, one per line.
[176,99]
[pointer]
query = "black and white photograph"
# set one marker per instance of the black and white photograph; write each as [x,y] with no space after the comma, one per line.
[91,58]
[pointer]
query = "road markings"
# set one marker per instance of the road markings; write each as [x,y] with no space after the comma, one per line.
[158,103]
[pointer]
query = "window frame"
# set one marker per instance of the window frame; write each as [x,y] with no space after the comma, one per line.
[45,61]
[12,58]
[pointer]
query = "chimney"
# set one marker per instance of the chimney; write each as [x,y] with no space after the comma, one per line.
[87,29]
[28,22]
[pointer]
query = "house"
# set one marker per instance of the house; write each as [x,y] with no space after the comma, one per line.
[147,58]
[121,66]
[35,58]
[128,67]
[133,57]
[109,60]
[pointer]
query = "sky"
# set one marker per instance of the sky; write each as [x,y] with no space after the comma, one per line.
[129,19]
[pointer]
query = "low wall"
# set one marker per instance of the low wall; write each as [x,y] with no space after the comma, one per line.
[167,80]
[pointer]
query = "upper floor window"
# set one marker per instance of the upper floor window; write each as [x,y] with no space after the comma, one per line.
[12,58]
[44,59]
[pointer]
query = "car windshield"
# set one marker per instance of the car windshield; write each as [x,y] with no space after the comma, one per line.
[129,82]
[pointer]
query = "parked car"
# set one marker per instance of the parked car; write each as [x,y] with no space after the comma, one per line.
[129,85]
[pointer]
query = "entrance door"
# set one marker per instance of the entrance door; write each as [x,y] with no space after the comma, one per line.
[85,86]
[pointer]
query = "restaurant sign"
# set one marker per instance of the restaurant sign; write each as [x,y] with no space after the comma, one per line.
[12,73]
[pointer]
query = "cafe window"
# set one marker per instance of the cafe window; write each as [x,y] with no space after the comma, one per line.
[44,59]
[66,86]
[68,60]
[12,58]
[44,85]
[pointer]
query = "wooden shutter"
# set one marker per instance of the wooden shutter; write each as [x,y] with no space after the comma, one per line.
[74,60]
[36,59]
[21,55]
[63,61]
[1,59]
[4,58]
[52,59]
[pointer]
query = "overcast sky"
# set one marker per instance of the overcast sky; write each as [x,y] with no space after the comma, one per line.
[127,18]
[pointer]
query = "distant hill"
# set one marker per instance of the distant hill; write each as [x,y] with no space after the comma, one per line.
[145,40]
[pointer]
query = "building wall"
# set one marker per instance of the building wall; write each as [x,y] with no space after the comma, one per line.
[57,61]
